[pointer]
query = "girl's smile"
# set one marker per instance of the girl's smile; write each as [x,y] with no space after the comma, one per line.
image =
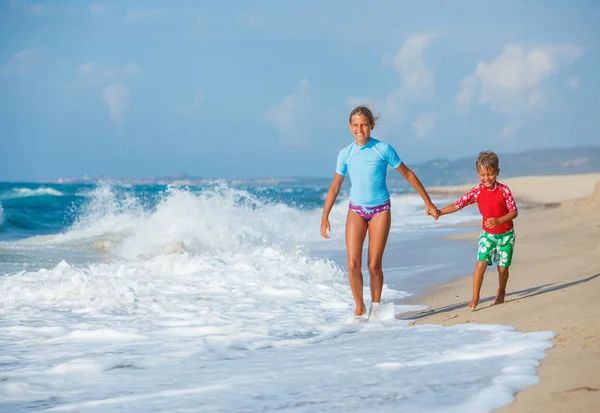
[361,127]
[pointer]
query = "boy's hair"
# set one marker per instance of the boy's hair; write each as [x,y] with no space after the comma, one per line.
[365,111]
[487,160]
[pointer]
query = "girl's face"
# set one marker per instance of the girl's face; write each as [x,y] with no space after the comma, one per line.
[488,177]
[361,127]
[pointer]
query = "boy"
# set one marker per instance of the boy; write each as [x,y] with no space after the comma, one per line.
[497,238]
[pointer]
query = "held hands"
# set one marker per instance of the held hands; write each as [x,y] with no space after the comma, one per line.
[432,211]
[325,228]
[435,213]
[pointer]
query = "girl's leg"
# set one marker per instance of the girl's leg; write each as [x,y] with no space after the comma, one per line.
[480,268]
[502,281]
[379,228]
[356,231]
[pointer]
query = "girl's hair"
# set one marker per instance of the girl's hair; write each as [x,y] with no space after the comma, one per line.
[365,111]
[487,160]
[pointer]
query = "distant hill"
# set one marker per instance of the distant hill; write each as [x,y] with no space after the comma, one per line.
[437,172]
[551,161]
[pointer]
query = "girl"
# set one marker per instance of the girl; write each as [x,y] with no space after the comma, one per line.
[367,160]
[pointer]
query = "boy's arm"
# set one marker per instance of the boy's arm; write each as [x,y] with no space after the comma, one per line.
[494,222]
[467,199]
[512,209]
[448,209]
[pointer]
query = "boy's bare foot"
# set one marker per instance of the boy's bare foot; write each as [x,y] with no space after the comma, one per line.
[499,298]
[473,304]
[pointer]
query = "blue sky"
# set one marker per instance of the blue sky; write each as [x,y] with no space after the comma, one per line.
[263,88]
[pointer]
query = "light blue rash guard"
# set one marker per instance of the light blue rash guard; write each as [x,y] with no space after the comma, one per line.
[368,170]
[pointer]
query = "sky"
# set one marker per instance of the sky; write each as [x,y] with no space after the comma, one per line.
[240,89]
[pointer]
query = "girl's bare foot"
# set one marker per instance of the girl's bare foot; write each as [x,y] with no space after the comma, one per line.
[360,311]
[499,297]
[473,304]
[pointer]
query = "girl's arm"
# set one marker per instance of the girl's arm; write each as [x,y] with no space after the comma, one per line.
[332,194]
[412,179]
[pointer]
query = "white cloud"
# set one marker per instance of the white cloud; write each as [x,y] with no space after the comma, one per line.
[131,69]
[116,98]
[573,82]
[87,67]
[424,125]
[466,94]
[292,116]
[108,73]
[97,9]
[137,15]
[355,101]
[512,81]
[417,78]
[510,130]
[21,63]
[535,99]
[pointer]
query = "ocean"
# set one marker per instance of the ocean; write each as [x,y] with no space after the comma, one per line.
[223,297]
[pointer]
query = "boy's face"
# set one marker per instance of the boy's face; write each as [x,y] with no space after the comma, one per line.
[488,177]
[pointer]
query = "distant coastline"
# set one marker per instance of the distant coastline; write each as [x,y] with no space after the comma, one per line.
[437,172]
[176,179]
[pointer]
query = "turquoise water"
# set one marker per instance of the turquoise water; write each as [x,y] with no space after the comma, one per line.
[30,209]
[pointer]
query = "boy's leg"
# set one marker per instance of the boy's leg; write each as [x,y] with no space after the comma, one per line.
[505,247]
[485,251]
[356,231]
[502,281]
[480,268]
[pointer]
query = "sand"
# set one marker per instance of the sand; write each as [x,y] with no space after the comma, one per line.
[554,285]
[535,189]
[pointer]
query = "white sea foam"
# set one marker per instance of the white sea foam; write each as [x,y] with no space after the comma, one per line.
[219,218]
[28,192]
[211,302]
[233,336]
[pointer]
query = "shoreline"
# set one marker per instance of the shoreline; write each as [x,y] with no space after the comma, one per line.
[554,285]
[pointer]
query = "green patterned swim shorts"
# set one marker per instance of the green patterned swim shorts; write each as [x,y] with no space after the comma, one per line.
[496,248]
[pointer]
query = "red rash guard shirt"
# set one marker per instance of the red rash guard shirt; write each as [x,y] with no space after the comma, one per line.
[492,203]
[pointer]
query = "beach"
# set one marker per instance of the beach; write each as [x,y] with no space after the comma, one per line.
[554,285]
[221,298]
